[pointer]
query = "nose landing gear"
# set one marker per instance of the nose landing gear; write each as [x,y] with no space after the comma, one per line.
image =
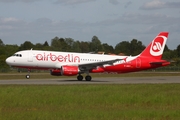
[28,75]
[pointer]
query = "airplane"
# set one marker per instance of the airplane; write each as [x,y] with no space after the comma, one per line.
[76,64]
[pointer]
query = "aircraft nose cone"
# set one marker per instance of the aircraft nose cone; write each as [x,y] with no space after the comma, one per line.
[8,61]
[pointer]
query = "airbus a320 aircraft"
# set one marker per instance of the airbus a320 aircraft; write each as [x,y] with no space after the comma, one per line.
[69,63]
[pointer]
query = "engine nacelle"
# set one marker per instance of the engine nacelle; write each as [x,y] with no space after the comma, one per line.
[56,72]
[69,70]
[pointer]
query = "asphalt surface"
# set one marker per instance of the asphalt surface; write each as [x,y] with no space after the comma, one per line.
[107,80]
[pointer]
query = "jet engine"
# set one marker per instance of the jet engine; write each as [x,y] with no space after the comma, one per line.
[56,72]
[69,70]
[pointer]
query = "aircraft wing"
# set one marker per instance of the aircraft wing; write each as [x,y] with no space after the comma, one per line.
[89,66]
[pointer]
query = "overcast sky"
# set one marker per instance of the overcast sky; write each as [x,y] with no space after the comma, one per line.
[112,21]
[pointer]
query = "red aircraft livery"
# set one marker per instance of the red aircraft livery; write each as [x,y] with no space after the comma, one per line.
[69,63]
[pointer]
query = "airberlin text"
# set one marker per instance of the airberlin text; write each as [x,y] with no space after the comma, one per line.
[58,58]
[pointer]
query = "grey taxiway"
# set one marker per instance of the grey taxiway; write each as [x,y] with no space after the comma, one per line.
[107,80]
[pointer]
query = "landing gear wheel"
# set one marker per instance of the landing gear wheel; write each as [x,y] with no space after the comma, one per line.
[27,76]
[80,77]
[88,78]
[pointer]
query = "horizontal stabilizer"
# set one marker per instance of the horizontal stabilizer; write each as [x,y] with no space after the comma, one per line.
[162,62]
[157,63]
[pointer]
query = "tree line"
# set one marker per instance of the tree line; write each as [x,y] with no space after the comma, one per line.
[133,47]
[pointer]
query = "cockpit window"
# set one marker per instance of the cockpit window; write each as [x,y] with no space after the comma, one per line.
[17,55]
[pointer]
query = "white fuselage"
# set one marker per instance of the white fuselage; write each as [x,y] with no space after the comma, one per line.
[51,59]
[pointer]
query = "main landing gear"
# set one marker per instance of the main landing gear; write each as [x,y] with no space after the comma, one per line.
[87,78]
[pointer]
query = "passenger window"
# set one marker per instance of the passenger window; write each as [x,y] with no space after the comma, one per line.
[17,55]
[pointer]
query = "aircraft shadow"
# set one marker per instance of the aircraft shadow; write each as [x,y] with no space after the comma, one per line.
[83,81]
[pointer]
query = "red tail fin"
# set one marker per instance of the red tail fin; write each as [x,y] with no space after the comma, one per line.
[156,47]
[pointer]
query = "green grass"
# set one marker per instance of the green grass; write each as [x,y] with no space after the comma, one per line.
[90,102]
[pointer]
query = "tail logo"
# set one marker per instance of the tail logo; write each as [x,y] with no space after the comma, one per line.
[158,45]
